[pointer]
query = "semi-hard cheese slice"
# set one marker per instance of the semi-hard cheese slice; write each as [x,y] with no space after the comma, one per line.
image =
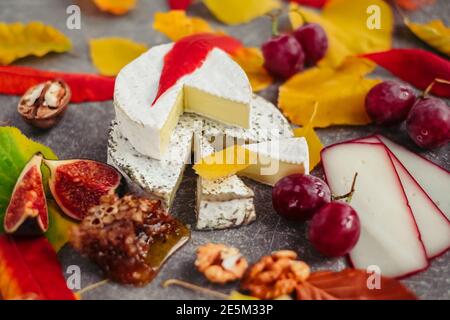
[222,203]
[390,238]
[218,89]
[159,178]
[266,123]
[277,159]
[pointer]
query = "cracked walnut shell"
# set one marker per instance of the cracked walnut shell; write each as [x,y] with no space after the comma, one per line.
[275,275]
[219,263]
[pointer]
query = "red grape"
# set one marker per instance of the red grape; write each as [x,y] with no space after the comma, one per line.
[298,196]
[283,56]
[334,230]
[428,123]
[389,102]
[314,41]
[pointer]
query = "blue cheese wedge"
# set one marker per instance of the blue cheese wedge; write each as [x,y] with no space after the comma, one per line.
[277,159]
[266,123]
[159,178]
[218,89]
[222,203]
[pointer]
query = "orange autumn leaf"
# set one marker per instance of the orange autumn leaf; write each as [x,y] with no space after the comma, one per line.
[340,94]
[117,7]
[110,55]
[315,146]
[413,4]
[351,284]
[176,25]
[18,40]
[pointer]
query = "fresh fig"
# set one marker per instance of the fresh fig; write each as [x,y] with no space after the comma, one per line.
[27,212]
[77,185]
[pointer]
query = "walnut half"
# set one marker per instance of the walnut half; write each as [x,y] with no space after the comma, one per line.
[44,104]
[219,263]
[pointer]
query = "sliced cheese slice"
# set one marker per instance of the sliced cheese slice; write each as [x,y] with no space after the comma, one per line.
[222,203]
[158,178]
[277,159]
[219,89]
[389,236]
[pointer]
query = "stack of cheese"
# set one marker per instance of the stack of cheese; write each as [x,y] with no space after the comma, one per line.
[151,141]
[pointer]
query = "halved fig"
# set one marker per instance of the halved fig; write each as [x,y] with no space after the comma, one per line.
[77,185]
[27,210]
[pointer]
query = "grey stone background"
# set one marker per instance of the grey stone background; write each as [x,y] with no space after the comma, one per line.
[83,134]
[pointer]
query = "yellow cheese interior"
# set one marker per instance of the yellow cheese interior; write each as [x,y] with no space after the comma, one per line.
[171,123]
[270,171]
[216,108]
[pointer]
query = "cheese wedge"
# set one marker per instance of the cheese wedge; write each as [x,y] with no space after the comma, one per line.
[158,178]
[433,226]
[277,159]
[389,236]
[218,89]
[266,123]
[222,203]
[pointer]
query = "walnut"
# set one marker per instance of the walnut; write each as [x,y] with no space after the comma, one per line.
[275,275]
[219,263]
[44,104]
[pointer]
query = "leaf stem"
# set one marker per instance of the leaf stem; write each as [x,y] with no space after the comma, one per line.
[92,287]
[194,287]
[348,196]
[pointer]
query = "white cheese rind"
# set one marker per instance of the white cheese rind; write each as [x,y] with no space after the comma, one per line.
[159,178]
[389,236]
[137,85]
[266,123]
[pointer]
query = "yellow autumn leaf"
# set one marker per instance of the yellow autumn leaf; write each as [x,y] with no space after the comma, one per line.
[117,7]
[435,33]
[110,55]
[252,61]
[175,24]
[352,27]
[315,146]
[236,295]
[239,11]
[339,92]
[18,40]
[225,163]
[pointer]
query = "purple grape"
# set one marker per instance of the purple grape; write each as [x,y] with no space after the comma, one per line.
[314,41]
[428,123]
[389,102]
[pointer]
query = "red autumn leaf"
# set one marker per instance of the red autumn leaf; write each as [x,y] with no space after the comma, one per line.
[179,4]
[85,87]
[29,268]
[350,284]
[311,3]
[418,67]
[177,64]
[413,4]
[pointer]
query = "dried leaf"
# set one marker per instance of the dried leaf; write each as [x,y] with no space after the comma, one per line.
[18,40]
[110,55]
[117,7]
[29,269]
[15,151]
[224,163]
[427,67]
[340,94]
[252,61]
[17,80]
[345,23]
[414,4]
[315,146]
[176,24]
[434,33]
[238,11]
[350,284]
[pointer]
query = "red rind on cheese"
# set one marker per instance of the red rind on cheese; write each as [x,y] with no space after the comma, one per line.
[188,54]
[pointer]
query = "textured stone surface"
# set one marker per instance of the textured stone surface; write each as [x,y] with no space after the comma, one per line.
[83,134]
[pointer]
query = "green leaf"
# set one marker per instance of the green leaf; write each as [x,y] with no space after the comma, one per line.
[15,151]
